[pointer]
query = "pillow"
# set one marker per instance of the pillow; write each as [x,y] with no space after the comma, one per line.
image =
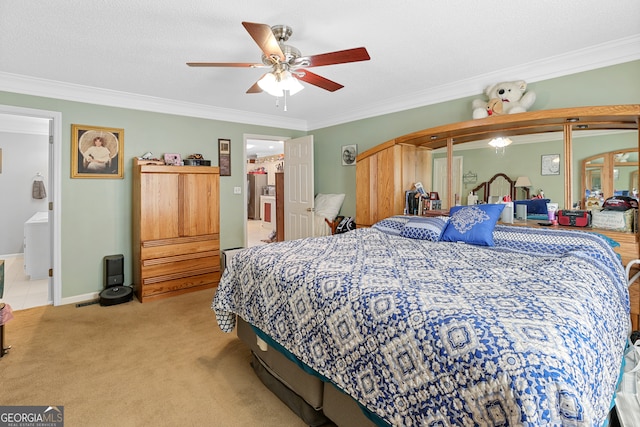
[328,205]
[534,206]
[429,228]
[613,220]
[472,224]
[392,225]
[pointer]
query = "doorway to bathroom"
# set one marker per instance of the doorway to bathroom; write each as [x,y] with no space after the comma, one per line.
[31,146]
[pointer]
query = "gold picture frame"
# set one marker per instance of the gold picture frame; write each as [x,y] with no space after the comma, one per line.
[89,159]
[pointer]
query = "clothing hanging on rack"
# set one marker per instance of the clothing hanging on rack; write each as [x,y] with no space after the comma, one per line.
[38,191]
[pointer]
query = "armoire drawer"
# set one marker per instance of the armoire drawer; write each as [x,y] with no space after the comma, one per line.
[181,265]
[171,247]
[154,289]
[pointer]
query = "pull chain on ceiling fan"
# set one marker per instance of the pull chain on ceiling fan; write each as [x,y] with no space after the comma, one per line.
[287,64]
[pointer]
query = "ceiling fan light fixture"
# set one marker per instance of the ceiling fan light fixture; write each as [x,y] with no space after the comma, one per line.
[276,84]
[283,58]
[290,83]
[500,142]
[270,84]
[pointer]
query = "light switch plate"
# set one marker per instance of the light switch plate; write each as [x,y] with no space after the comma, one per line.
[237,190]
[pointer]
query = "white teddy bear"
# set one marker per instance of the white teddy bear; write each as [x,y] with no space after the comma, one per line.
[511,96]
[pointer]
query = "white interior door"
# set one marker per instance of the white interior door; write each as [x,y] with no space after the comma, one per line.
[440,179]
[298,188]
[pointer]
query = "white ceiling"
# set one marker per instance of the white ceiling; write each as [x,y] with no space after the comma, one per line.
[133,52]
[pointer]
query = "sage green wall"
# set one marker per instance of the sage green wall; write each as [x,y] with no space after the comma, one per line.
[617,84]
[96,213]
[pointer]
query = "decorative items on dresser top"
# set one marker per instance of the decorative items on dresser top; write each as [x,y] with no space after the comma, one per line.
[176,229]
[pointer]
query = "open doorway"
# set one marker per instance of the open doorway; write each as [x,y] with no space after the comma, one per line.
[35,221]
[263,155]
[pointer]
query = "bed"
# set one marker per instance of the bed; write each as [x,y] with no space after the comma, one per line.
[395,325]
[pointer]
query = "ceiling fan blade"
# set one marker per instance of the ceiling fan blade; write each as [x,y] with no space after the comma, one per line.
[316,80]
[254,89]
[338,57]
[263,36]
[225,64]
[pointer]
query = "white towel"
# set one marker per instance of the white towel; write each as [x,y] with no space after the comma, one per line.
[38,191]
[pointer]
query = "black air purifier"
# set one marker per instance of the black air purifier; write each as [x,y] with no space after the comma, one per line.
[115,292]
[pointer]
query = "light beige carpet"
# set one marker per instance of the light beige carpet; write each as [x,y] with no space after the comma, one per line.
[162,363]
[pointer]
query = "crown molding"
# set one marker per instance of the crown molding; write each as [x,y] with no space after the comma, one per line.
[598,56]
[73,92]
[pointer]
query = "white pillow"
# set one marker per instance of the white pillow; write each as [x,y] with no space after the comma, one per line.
[328,205]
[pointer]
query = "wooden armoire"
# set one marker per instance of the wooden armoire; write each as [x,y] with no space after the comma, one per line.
[176,229]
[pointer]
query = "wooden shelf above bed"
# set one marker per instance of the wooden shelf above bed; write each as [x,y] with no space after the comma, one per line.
[532,122]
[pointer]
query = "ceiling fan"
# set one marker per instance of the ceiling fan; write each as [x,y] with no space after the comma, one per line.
[286,62]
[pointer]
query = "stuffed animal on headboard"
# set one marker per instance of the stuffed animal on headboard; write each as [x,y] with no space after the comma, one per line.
[495,107]
[504,98]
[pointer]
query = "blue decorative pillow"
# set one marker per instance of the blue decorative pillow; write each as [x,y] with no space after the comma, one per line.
[429,228]
[392,225]
[472,224]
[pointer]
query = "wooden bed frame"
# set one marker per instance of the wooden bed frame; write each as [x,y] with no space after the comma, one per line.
[333,225]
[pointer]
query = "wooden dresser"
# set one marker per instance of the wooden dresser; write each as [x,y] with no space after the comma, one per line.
[176,229]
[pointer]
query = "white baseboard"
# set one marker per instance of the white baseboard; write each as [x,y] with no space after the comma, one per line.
[80,298]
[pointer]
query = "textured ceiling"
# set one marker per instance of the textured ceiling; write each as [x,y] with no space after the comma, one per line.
[420,51]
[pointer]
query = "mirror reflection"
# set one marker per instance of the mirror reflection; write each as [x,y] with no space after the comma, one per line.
[477,162]
[612,173]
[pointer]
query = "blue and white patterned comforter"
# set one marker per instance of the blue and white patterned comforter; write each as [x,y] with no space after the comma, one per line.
[530,332]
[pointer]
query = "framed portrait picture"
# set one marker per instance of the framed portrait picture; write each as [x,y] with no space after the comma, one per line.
[224,156]
[97,152]
[349,153]
[550,164]
[172,159]
[434,196]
